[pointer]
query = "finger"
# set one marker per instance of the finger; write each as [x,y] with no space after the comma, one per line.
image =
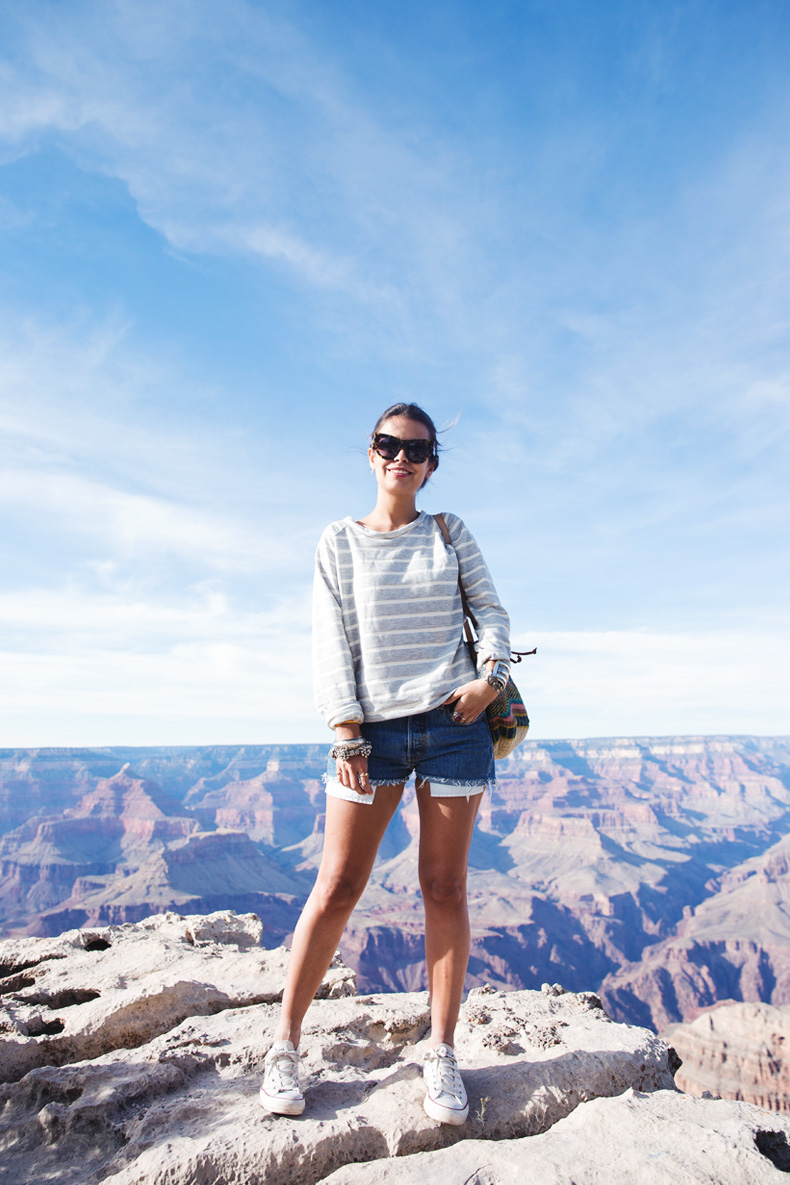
[352,777]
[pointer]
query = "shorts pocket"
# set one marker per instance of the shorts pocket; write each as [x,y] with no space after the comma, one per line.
[450,708]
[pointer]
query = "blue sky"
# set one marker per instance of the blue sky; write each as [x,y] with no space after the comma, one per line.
[232,234]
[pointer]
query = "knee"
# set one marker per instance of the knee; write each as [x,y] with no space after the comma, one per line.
[445,889]
[338,892]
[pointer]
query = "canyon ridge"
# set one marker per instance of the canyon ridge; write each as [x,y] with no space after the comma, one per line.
[134,1053]
[653,871]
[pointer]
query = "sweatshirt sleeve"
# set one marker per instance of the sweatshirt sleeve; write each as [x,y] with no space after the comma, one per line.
[334,680]
[493,623]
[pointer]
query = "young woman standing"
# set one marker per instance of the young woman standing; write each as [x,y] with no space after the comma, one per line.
[394,679]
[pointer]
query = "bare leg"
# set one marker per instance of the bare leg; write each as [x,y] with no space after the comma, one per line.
[352,836]
[446,826]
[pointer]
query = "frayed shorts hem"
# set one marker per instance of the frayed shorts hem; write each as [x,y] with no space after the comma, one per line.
[439,789]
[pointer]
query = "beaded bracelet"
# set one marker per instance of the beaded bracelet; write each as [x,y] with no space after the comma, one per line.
[344,750]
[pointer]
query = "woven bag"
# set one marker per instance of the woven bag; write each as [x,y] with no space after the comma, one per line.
[506,715]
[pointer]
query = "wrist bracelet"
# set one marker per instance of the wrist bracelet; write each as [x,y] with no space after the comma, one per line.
[344,750]
[498,677]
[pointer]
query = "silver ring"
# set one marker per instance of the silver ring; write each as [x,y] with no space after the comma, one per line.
[458,718]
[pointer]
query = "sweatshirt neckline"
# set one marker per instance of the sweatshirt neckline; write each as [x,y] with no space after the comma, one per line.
[371,534]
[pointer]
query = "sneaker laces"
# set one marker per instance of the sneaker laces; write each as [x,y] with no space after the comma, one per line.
[445,1068]
[284,1063]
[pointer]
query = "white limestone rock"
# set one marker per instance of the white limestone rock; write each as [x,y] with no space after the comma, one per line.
[636,1139]
[182,1105]
[88,992]
[152,1078]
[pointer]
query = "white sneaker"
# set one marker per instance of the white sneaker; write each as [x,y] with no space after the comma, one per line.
[445,1099]
[280,1093]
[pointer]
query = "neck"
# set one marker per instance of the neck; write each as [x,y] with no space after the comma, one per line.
[391,512]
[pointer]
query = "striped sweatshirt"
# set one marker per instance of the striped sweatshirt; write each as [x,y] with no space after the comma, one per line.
[387,618]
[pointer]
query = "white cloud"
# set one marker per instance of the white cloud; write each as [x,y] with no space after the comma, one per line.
[95,668]
[291,163]
[99,669]
[139,524]
[647,683]
[87,464]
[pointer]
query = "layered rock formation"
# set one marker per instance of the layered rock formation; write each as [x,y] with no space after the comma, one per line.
[120,821]
[655,867]
[735,945]
[127,849]
[135,1053]
[736,1051]
[591,854]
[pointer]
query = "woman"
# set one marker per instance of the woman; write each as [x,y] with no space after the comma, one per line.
[394,678]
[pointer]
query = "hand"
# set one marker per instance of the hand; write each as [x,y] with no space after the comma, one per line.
[353,773]
[471,699]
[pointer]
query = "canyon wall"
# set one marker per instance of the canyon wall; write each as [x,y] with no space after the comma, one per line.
[736,1051]
[654,870]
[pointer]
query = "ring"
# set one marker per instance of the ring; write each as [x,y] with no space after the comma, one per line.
[360,777]
[458,717]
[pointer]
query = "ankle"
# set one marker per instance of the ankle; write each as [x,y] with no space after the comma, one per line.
[287,1033]
[434,1042]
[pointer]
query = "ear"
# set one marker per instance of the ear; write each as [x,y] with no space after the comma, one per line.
[429,474]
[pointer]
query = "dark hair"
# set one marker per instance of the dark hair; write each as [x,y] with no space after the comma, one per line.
[412,412]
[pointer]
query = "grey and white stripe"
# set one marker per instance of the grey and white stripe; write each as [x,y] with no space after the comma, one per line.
[387,618]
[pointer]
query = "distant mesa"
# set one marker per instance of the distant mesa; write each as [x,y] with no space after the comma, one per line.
[651,870]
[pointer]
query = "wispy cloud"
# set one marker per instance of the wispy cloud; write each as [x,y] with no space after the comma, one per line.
[555,239]
[647,683]
[138,524]
[103,670]
[82,460]
[291,164]
[87,668]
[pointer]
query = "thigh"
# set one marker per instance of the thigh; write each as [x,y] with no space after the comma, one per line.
[353,832]
[446,828]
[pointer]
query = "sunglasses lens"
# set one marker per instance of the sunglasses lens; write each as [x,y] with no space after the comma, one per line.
[418,451]
[387,447]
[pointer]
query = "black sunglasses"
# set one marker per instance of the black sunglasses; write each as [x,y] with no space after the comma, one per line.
[388,447]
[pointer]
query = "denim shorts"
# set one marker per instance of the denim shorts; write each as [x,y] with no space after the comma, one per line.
[457,759]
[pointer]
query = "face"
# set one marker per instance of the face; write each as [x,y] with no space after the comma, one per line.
[401,475]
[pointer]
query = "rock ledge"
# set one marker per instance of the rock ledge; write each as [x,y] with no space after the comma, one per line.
[133,1056]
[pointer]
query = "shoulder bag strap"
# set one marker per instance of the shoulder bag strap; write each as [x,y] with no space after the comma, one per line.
[516,655]
[468,615]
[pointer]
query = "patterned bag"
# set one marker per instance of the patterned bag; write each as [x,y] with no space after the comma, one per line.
[507,717]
